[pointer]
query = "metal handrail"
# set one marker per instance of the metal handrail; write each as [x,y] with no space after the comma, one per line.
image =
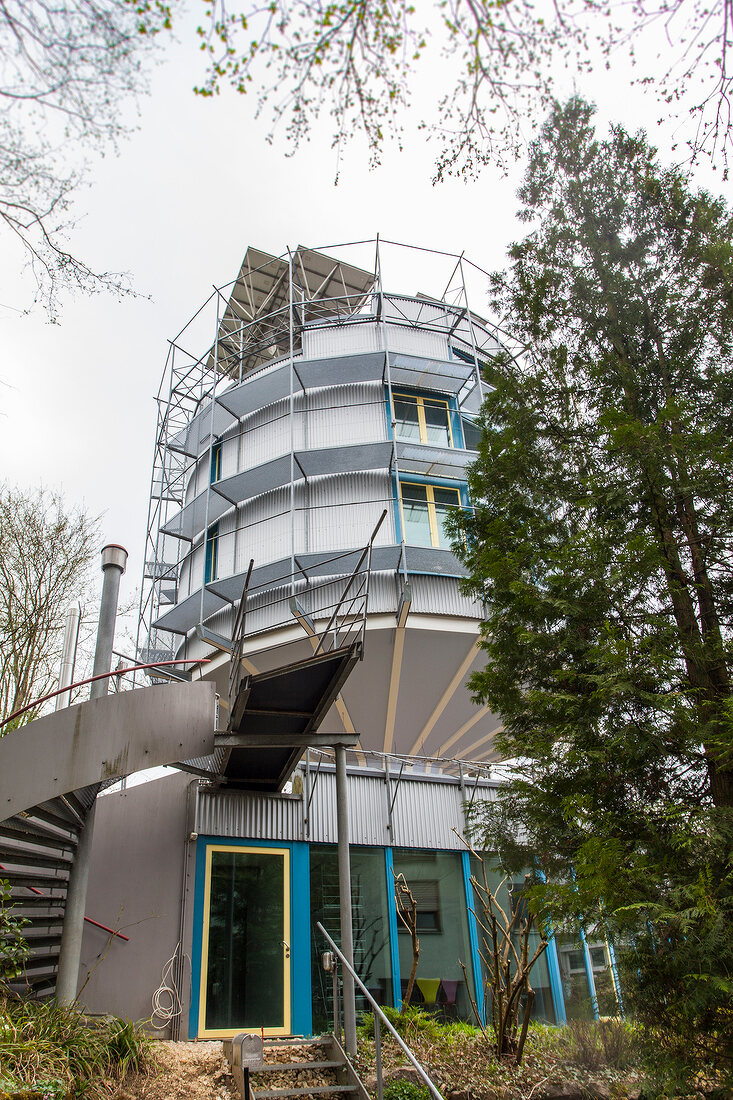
[380,1016]
[366,552]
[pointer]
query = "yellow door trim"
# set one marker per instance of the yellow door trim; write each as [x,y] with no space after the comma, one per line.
[228,1033]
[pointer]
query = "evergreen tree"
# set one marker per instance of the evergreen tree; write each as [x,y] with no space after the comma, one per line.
[602,546]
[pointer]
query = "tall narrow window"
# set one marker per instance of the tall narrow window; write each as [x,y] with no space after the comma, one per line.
[212,554]
[425,509]
[216,461]
[420,419]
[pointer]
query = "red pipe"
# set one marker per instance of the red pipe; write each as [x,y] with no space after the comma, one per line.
[88,919]
[106,929]
[99,676]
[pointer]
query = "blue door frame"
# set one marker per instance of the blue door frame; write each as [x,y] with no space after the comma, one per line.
[300,971]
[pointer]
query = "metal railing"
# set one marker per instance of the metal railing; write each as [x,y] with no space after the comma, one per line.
[333,621]
[379,1020]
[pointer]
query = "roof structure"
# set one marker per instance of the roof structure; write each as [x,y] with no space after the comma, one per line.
[255,326]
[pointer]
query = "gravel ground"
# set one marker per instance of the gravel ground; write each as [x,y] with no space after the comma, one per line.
[183,1071]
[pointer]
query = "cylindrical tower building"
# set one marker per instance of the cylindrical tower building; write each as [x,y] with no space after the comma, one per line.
[325,400]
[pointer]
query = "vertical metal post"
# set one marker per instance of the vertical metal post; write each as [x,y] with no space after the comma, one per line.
[114,560]
[388,378]
[208,462]
[68,655]
[344,865]
[378,1056]
[589,972]
[292,424]
[615,974]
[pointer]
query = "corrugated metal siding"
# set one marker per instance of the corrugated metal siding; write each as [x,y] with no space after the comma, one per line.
[225,550]
[322,343]
[424,813]
[442,596]
[240,814]
[344,509]
[345,414]
[417,341]
[266,433]
[265,527]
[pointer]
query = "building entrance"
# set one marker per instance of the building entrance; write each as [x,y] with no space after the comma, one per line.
[245,964]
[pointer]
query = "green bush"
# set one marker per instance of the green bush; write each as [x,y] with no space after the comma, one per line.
[415,1021]
[605,1044]
[405,1090]
[13,948]
[55,1050]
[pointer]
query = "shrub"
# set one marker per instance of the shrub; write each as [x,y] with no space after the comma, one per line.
[608,1043]
[13,948]
[405,1090]
[54,1050]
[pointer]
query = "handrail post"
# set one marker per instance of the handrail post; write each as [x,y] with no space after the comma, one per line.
[348,968]
[378,1056]
[344,866]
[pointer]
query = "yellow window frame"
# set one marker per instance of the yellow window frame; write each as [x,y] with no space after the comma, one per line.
[432,515]
[228,1033]
[422,423]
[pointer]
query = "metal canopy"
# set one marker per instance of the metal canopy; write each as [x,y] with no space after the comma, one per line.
[418,559]
[317,564]
[443,375]
[204,429]
[345,459]
[428,461]
[184,616]
[260,299]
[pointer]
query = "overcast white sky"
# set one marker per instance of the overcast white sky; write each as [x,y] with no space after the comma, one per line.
[177,208]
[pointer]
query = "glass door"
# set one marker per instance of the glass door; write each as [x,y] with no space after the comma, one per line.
[245,957]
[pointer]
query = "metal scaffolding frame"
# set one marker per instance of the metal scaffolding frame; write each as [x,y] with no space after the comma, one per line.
[259,321]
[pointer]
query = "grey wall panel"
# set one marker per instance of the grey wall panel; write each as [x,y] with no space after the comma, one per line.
[417,341]
[135,885]
[345,415]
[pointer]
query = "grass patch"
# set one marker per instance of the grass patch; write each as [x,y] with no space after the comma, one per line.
[52,1051]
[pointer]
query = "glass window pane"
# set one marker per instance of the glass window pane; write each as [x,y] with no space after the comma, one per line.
[436,882]
[372,958]
[245,976]
[416,516]
[436,423]
[543,1008]
[407,424]
[446,502]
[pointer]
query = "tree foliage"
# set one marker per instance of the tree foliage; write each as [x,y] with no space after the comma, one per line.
[493,64]
[46,552]
[602,546]
[66,68]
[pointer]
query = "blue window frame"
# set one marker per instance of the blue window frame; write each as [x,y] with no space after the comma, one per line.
[423,505]
[216,461]
[211,567]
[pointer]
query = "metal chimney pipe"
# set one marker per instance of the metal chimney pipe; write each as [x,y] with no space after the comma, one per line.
[114,560]
[68,655]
